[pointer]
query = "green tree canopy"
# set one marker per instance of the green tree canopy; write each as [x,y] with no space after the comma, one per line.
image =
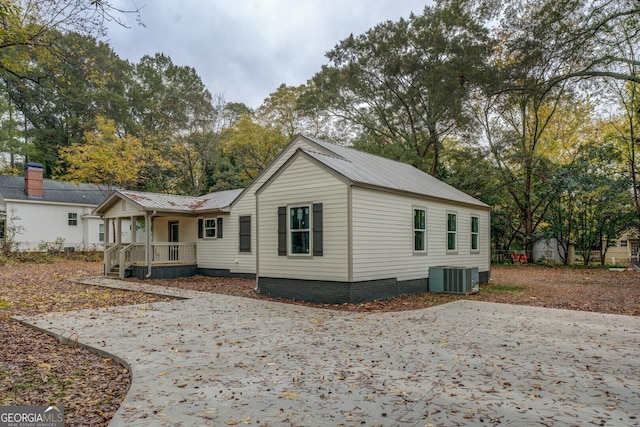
[405,83]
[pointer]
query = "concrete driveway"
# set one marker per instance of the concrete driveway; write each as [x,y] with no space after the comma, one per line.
[218,360]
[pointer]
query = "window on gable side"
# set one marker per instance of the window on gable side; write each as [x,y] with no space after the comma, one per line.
[419,230]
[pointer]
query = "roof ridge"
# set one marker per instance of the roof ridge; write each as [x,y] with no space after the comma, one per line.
[157,194]
[334,156]
[357,151]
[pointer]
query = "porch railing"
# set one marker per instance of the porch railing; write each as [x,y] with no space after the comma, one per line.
[126,255]
[162,253]
[174,252]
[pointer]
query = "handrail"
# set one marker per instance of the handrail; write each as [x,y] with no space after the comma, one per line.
[125,259]
[109,256]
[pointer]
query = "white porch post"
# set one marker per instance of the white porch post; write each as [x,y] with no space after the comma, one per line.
[147,225]
[134,231]
[105,246]
[107,231]
[118,232]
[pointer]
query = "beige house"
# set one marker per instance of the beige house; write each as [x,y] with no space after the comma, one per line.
[322,222]
[625,249]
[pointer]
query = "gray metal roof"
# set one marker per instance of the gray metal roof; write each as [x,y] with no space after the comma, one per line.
[161,201]
[12,187]
[368,169]
[169,202]
[218,199]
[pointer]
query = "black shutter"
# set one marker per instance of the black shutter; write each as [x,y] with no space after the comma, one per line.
[282,231]
[317,229]
[245,233]
[219,232]
[200,228]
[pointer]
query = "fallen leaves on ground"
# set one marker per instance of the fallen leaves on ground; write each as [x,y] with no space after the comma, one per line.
[584,289]
[36,369]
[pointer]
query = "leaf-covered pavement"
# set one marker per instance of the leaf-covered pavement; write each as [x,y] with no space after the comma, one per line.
[596,290]
[37,369]
[218,359]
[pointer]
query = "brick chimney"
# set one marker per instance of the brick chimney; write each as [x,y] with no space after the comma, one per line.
[33,179]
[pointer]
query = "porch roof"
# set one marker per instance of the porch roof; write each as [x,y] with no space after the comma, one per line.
[219,200]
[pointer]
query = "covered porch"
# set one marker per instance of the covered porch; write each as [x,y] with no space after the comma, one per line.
[149,235]
[130,249]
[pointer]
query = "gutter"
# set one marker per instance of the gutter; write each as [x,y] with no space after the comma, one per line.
[147,221]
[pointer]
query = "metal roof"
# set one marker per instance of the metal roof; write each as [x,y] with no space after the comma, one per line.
[169,202]
[368,169]
[219,199]
[159,201]
[12,188]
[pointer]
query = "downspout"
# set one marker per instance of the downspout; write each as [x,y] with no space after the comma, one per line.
[147,221]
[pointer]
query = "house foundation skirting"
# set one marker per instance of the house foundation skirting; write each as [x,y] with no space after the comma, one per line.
[224,272]
[176,271]
[331,292]
[164,271]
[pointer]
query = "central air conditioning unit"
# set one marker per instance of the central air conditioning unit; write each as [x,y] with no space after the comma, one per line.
[454,280]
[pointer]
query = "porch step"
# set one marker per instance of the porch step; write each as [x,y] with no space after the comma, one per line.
[115,272]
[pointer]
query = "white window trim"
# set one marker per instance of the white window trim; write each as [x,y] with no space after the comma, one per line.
[205,228]
[413,235]
[309,230]
[455,250]
[476,233]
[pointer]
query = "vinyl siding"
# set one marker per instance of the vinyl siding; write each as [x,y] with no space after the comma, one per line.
[226,254]
[45,222]
[223,253]
[383,236]
[123,208]
[187,228]
[288,189]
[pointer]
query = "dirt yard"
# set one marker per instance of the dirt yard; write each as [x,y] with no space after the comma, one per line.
[36,369]
[596,290]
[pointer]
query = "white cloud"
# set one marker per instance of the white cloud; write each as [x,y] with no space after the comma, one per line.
[247,48]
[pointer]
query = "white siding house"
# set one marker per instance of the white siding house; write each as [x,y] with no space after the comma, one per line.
[322,222]
[36,213]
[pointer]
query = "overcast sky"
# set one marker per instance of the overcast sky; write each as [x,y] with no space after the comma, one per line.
[244,49]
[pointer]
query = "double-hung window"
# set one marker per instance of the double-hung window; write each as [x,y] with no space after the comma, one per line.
[475,246]
[100,232]
[72,219]
[210,228]
[452,232]
[419,230]
[299,229]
